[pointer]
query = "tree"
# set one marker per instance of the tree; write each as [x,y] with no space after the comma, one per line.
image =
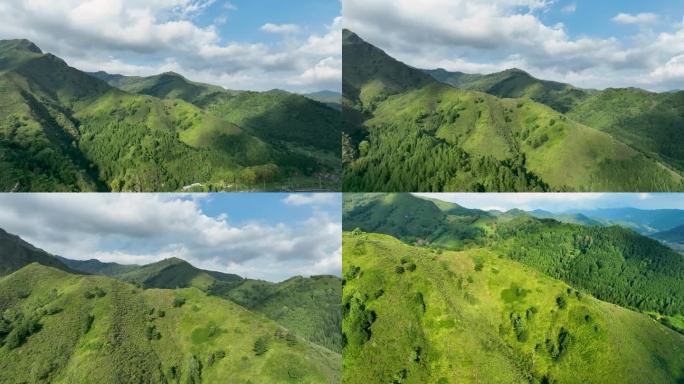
[261,345]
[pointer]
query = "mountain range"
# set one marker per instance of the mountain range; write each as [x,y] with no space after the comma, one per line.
[437,292]
[160,323]
[66,130]
[409,129]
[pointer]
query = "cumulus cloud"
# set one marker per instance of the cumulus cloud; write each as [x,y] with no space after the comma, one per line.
[144,228]
[640,18]
[148,34]
[311,199]
[488,36]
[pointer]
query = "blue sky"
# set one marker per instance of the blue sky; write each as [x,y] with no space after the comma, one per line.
[238,44]
[561,202]
[591,44]
[258,235]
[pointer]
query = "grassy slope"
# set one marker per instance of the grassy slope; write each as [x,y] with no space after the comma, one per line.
[562,152]
[307,306]
[116,348]
[649,122]
[448,323]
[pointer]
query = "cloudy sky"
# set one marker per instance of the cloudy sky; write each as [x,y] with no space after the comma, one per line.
[239,44]
[589,43]
[560,202]
[267,236]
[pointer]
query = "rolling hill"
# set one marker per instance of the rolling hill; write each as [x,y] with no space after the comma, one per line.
[407,131]
[415,315]
[516,83]
[63,328]
[308,307]
[65,130]
[674,235]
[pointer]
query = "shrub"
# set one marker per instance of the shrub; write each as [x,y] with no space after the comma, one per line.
[261,345]
[21,331]
[562,303]
[411,267]
[291,339]
[399,269]
[178,302]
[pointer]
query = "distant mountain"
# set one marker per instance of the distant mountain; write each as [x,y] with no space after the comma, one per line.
[329,98]
[65,130]
[16,253]
[576,218]
[516,83]
[96,267]
[641,220]
[405,131]
[674,235]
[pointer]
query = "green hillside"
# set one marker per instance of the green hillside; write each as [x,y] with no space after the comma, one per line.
[652,123]
[63,328]
[65,130]
[613,263]
[405,131]
[309,307]
[414,315]
[516,83]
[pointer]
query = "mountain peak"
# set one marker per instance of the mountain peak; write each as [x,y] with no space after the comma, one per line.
[21,45]
[517,71]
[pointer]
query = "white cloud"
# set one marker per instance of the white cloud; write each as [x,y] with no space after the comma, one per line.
[478,36]
[139,33]
[280,28]
[312,199]
[640,18]
[144,228]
